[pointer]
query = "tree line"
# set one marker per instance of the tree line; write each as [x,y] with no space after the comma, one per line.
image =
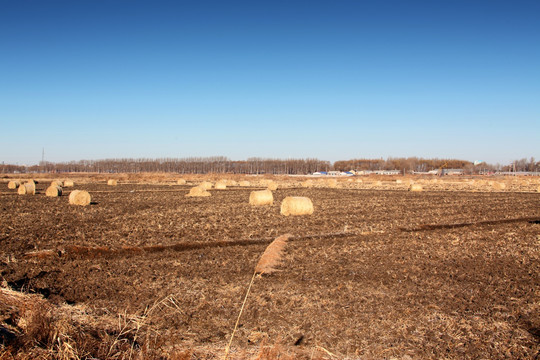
[255,165]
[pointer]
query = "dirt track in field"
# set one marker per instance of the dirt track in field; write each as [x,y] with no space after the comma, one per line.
[371,274]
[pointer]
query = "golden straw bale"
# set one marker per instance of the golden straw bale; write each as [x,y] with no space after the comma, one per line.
[296,205]
[181,182]
[68,183]
[79,197]
[53,191]
[538,188]
[28,188]
[221,185]
[416,187]
[263,197]
[399,181]
[198,191]
[498,185]
[206,185]
[56,183]
[112,182]
[272,186]
[378,183]
[244,183]
[308,183]
[13,184]
[231,183]
[331,183]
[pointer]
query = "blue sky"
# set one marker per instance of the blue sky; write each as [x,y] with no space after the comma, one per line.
[333,80]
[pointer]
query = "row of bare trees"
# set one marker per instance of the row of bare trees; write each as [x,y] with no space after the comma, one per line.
[192,165]
[220,164]
[404,164]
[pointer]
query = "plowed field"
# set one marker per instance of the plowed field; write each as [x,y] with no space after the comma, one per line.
[371,274]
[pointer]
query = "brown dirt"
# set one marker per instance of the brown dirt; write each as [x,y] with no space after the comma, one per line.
[371,274]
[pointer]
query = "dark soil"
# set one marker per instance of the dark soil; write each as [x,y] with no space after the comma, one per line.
[371,274]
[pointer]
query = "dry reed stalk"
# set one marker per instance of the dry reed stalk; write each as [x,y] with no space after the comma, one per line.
[296,205]
[79,197]
[267,264]
[112,182]
[416,187]
[13,184]
[263,197]
[54,191]
[198,191]
[68,183]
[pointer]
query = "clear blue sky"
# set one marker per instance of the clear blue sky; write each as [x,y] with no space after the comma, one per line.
[91,79]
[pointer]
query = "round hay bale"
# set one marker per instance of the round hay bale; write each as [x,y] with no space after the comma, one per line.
[416,187]
[244,183]
[296,205]
[331,183]
[181,182]
[232,183]
[272,186]
[13,184]
[79,197]
[308,183]
[53,191]
[498,185]
[112,182]
[28,188]
[538,188]
[221,185]
[56,183]
[206,185]
[399,181]
[198,191]
[262,197]
[68,183]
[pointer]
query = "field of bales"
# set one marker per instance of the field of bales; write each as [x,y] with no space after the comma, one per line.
[449,270]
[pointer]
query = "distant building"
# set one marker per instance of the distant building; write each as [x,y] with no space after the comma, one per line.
[453,171]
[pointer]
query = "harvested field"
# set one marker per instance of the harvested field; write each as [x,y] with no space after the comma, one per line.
[374,273]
